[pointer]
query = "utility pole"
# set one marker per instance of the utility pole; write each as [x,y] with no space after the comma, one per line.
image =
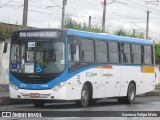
[147,25]
[104,15]
[25,14]
[134,31]
[89,23]
[63,12]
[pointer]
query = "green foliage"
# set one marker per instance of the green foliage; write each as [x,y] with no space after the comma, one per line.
[5,32]
[121,32]
[157,53]
[72,24]
[124,32]
[139,35]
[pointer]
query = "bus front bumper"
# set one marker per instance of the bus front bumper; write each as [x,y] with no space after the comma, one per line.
[49,94]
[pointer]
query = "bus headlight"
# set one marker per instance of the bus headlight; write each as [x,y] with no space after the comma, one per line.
[60,85]
[13,86]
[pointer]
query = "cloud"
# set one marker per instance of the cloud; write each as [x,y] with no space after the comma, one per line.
[44,13]
[46,24]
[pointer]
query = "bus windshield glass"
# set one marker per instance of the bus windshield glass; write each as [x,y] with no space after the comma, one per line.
[37,57]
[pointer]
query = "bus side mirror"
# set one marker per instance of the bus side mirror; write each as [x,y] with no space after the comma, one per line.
[5,48]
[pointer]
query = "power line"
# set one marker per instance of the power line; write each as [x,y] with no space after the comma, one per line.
[143,7]
[56,4]
[6,3]
[46,13]
[90,4]
[44,9]
[84,5]
[36,6]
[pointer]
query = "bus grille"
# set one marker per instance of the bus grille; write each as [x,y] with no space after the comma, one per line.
[34,81]
[42,79]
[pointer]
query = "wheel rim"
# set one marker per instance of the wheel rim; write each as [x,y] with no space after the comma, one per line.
[131,93]
[85,96]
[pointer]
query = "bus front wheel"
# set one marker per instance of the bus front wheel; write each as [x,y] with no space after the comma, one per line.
[83,102]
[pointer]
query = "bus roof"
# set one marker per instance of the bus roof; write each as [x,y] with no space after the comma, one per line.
[108,37]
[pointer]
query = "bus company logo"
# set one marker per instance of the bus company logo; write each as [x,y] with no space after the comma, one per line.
[34,76]
[108,75]
[90,74]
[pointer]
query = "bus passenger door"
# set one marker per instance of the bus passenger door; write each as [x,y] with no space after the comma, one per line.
[111,79]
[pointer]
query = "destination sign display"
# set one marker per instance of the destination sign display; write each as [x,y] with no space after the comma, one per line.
[41,34]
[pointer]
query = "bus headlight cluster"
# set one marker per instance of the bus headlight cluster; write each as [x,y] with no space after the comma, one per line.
[13,86]
[60,85]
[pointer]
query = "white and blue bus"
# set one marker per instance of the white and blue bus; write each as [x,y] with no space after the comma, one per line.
[56,64]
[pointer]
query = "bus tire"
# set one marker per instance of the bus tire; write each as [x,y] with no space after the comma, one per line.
[131,93]
[84,101]
[38,103]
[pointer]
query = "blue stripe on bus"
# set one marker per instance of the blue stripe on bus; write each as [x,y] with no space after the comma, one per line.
[63,77]
[108,37]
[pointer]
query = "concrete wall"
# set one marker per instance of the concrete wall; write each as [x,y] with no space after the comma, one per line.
[0,57]
[4,64]
[157,68]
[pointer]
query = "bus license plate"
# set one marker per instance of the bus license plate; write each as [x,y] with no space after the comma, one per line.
[34,95]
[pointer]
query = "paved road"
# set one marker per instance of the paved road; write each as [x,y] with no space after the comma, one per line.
[151,103]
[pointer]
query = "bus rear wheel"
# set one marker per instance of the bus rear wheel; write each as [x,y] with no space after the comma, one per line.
[38,103]
[84,101]
[131,94]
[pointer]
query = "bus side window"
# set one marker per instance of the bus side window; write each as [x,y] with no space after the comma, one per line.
[125,52]
[73,52]
[148,55]
[73,56]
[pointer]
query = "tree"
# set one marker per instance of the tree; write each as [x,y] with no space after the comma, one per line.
[138,35]
[124,32]
[72,24]
[6,30]
[121,32]
[157,53]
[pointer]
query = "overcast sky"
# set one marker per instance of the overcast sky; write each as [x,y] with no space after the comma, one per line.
[130,14]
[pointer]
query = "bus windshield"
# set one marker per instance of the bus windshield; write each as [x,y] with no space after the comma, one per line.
[37,57]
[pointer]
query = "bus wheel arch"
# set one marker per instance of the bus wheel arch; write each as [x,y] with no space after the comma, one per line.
[130,95]
[86,95]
